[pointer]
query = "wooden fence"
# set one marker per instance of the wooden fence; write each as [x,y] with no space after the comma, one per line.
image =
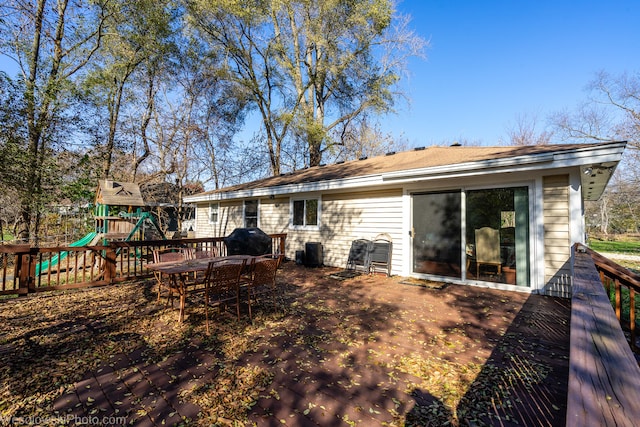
[24,269]
[604,377]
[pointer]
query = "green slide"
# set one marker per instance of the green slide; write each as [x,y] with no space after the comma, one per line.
[43,266]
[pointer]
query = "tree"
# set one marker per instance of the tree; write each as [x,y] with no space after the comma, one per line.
[211,111]
[51,43]
[612,112]
[309,67]
[524,132]
[364,139]
[138,38]
[12,159]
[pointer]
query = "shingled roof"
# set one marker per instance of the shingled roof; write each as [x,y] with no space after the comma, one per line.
[419,158]
[115,193]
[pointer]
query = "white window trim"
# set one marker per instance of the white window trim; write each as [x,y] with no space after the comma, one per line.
[305,227]
[211,204]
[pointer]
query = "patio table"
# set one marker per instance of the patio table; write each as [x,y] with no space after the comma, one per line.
[178,271]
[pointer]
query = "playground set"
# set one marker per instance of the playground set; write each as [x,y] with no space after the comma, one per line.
[118,216]
[112,197]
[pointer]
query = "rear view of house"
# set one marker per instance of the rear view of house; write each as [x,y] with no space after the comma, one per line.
[504,217]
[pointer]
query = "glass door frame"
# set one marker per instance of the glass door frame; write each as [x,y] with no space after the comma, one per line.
[531,264]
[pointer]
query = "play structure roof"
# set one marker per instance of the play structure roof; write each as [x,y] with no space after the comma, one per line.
[115,193]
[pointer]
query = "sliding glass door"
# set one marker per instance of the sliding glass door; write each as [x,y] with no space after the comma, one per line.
[494,232]
[437,234]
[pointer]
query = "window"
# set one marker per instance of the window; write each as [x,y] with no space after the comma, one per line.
[214,209]
[497,235]
[305,213]
[250,213]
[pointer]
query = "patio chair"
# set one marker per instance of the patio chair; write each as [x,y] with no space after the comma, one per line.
[488,249]
[170,254]
[359,255]
[204,253]
[380,254]
[222,286]
[278,257]
[262,280]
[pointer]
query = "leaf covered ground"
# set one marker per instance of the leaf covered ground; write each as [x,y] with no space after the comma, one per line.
[363,351]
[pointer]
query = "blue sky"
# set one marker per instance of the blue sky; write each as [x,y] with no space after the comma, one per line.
[491,61]
[494,60]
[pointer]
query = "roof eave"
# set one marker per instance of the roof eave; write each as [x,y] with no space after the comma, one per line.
[589,156]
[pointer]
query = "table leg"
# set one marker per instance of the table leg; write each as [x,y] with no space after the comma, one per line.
[178,282]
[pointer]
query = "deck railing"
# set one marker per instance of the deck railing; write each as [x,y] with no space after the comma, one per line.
[24,269]
[604,377]
[622,287]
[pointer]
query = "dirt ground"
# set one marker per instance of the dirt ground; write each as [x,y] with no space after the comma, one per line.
[366,351]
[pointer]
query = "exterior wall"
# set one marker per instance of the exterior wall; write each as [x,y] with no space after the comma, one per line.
[350,216]
[346,216]
[557,236]
[230,217]
[273,215]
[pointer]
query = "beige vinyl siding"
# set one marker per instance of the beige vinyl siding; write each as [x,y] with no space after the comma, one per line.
[344,217]
[557,242]
[229,218]
[350,216]
[274,215]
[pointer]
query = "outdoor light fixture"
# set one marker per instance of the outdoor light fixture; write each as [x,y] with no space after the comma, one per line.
[587,171]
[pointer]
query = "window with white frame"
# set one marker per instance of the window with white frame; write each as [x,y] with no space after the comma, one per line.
[250,213]
[214,212]
[305,213]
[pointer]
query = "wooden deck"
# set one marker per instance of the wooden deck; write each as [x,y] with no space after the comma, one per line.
[365,351]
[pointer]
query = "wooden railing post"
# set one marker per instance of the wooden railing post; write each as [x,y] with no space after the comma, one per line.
[22,273]
[283,240]
[110,263]
[25,267]
[632,318]
[618,292]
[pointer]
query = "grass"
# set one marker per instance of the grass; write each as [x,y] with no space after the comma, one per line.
[622,246]
[627,246]
[625,305]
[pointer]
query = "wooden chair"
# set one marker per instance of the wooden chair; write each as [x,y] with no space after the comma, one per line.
[200,254]
[171,254]
[204,253]
[262,280]
[488,249]
[222,286]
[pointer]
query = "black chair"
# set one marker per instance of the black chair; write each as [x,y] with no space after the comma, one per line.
[359,255]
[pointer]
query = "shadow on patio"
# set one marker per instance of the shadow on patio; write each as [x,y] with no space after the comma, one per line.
[364,351]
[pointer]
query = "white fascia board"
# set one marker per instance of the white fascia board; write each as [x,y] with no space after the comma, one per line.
[309,187]
[588,156]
